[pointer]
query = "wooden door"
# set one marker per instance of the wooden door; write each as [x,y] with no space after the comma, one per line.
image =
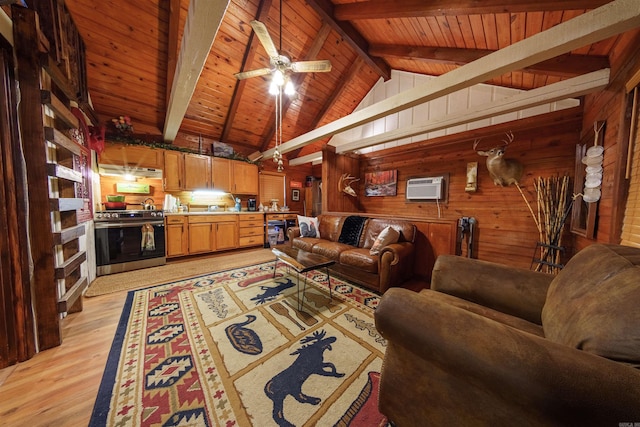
[226,235]
[201,238]
[143,157]
[177,241]
[173,170]
[245,178]
[197,172]
[221,174]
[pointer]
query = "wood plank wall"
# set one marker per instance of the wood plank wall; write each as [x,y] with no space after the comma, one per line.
[609,105]
[506,232]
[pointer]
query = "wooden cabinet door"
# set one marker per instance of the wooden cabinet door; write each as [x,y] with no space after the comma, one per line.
[226,235]
[177,242]
[201,238]
[173,170]
[132,155]
[197,172]
[143,157]
[245,178]
[221,174]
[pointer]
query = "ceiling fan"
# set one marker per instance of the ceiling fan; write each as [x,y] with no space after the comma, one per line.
[280,62]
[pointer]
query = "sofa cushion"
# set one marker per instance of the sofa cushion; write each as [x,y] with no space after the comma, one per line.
[305,243]
[352,230]
[330,226]
[361,259]
[375,226]
[308,226]
[386,237]
[330,250]
[593,305]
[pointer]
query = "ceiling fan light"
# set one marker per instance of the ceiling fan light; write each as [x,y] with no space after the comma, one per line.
[273,88]
[278,78]
[289,90]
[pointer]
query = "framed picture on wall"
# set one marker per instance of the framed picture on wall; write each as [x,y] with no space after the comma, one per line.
[381,183]
[295,195]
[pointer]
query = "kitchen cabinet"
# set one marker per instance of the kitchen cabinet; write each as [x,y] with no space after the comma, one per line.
[173,170]
[186,171]
[226,235]
[245,178]
[132,155]
[250,230]
[208,233]
[197,172]
[177,239]
[221,174]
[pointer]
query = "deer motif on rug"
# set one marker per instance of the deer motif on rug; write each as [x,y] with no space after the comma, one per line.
[289,382]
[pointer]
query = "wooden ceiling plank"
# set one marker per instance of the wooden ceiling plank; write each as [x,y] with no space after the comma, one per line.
[387,9]
[249,55]
[562,66]
[570,88]
[172,45]
[611,19]
[203,22]
[324,8]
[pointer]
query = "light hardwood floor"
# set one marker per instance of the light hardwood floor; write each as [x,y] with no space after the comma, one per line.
[58,387]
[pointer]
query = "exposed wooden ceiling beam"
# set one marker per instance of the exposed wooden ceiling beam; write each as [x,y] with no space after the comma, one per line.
[250,53]
[561,66]
[611,19]
[172,44]
[570,88]
[200,31]
[386,9]
[348,32]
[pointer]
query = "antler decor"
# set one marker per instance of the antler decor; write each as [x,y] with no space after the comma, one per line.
[344,184]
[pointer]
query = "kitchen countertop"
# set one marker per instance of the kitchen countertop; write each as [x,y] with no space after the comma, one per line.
[225,213]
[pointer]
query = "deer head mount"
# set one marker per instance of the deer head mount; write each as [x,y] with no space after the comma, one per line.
[344,184]
[503,171]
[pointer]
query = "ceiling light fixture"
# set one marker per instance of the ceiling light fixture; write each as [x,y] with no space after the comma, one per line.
[280,83]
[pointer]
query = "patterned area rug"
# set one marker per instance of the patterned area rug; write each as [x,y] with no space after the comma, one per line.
[230,349]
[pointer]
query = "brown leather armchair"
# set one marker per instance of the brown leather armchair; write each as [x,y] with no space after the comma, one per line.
[493,345]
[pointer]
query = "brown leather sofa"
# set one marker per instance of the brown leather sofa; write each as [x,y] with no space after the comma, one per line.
[392,266]
[492,345]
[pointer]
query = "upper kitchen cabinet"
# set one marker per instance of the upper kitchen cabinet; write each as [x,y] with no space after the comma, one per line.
[221,174]
[245,178]
[173,171]
[186,171]
[132,156]
[197,172]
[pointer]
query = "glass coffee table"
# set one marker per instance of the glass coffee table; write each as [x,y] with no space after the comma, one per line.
[302,262]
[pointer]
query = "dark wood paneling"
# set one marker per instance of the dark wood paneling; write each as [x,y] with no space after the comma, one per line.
[506,231]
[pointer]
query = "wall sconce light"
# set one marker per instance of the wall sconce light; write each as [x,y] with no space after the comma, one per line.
[472,177]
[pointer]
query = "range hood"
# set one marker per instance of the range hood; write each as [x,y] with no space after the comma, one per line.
[117,170]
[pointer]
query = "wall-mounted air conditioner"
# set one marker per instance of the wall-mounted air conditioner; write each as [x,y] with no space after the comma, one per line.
[425,188]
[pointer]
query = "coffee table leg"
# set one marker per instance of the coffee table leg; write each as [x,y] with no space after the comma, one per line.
[329,283]
[301,300]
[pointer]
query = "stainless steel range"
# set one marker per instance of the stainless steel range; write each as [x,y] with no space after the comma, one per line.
[129,240]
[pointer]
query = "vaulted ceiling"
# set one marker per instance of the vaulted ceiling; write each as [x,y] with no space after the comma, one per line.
[133,50]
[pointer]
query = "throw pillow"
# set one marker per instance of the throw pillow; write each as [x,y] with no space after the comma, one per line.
[386,237]
[308,226]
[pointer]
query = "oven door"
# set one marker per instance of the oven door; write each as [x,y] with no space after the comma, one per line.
[124,246]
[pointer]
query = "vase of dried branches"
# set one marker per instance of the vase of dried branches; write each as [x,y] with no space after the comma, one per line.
[554,205]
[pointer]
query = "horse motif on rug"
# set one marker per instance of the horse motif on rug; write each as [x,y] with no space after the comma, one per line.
[310,361]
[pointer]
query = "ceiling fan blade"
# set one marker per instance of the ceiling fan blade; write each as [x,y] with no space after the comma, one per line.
[320,66]
[252,73]
[264,37]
